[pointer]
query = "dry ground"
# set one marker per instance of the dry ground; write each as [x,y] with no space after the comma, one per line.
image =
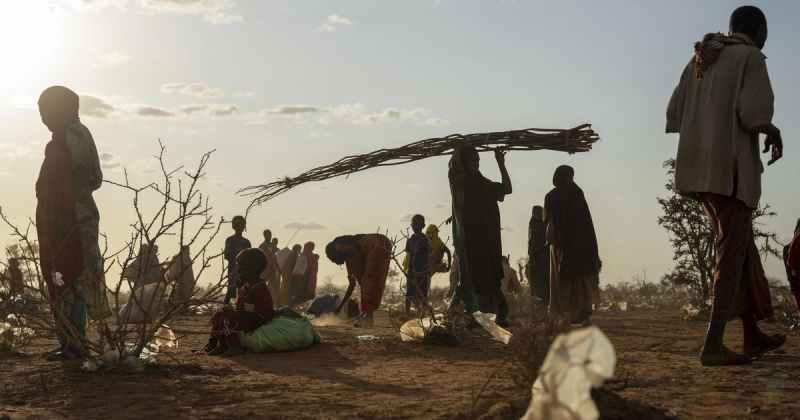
[658,376]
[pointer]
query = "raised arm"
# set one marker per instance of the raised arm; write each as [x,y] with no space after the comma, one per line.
[500,156]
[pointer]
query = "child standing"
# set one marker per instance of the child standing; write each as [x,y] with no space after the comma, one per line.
[235,244]
[418,279]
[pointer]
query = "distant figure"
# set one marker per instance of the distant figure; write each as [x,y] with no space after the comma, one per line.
[287,269]
[275,245]
[145,269]
[574,258]
[271,274]
[476,232]
[418,279]
[538,256]
[16,281]
[67,222]
[253,306]
[791,260]
[722,103]
[367,260]
[181,274]
[235,244]
[298,288]
[438,251]
[312,270]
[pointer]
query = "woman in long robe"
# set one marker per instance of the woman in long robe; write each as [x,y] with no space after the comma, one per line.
[476,232]
[67,222]
[574,257]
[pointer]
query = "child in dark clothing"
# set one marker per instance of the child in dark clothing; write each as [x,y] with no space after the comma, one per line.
[235,244]
[253,306]
[418,279]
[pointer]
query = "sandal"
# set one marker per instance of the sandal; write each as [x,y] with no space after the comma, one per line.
[724,358]
[767,343]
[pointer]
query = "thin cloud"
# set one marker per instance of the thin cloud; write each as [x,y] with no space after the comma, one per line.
[224,110]
[305,226]
[198,90]
[243,94]
[216,12]
[293,110]
[91,106]
[109,161]
[114,58]
[150,111]
[334,22]
[191,109]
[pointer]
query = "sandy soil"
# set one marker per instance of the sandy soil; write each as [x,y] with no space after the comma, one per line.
[658,376]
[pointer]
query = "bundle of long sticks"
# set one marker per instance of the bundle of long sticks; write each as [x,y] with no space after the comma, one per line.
[575,140]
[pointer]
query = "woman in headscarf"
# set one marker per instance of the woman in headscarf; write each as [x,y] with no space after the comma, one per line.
[438,251]
[476,232]
[574,258]
[67,222]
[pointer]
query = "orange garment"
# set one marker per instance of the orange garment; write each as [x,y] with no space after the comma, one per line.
[369,267]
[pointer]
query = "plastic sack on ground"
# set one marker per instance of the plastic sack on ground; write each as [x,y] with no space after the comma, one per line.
[14,334]
[576,362]
[487,322]
[286,332]
[414,329]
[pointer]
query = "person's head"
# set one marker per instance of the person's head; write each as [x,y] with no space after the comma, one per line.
[417,223]
[239,224]
[563,175]
[309,247]
[297,248]
[58,107]
[267,235]
[250,263]
[275,242]
[466,159]
[750,20]
[432,231]
[538,212]
[341,248]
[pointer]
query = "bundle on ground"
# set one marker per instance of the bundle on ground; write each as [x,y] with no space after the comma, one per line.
[578,139]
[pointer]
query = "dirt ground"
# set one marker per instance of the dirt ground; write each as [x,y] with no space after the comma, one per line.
[658,376]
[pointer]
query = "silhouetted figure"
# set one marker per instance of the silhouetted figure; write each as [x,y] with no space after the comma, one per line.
[538,256]
[16,281]
[366,258]
[791,260]
[253,305]
[67,222]
[181,273]
[312,270]
[288,263]
[722,103]
[574,258]
[476,232]
[418,278]
[271,274]
[438,251]
[145,269]
[235,244]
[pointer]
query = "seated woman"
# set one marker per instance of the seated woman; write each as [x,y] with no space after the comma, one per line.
[253,306]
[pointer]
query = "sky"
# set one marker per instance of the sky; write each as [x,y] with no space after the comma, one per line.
[279,87]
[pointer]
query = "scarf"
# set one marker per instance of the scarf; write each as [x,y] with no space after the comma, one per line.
[707,51]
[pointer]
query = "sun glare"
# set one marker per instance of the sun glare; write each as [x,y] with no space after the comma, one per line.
[30,35]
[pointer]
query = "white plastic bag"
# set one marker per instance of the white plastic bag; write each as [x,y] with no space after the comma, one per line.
[144,304]
[414,329]
[487,322]
[576,362]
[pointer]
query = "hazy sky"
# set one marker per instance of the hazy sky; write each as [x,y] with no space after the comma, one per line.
[277,87]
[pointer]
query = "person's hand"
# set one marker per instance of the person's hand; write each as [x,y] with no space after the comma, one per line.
[774,142]
[500,156]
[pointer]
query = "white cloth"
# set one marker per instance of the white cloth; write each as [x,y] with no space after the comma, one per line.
[714,116]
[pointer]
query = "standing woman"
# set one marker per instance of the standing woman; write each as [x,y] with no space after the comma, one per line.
[67,222]
[476,232]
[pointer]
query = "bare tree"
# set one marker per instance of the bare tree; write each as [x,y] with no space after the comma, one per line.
[178,214]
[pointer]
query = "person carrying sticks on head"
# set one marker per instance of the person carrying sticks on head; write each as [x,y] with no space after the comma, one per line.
[235,244]
[574,257]
[476,232]
[67,223]
[721,105]
[366,258]
[253,306]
